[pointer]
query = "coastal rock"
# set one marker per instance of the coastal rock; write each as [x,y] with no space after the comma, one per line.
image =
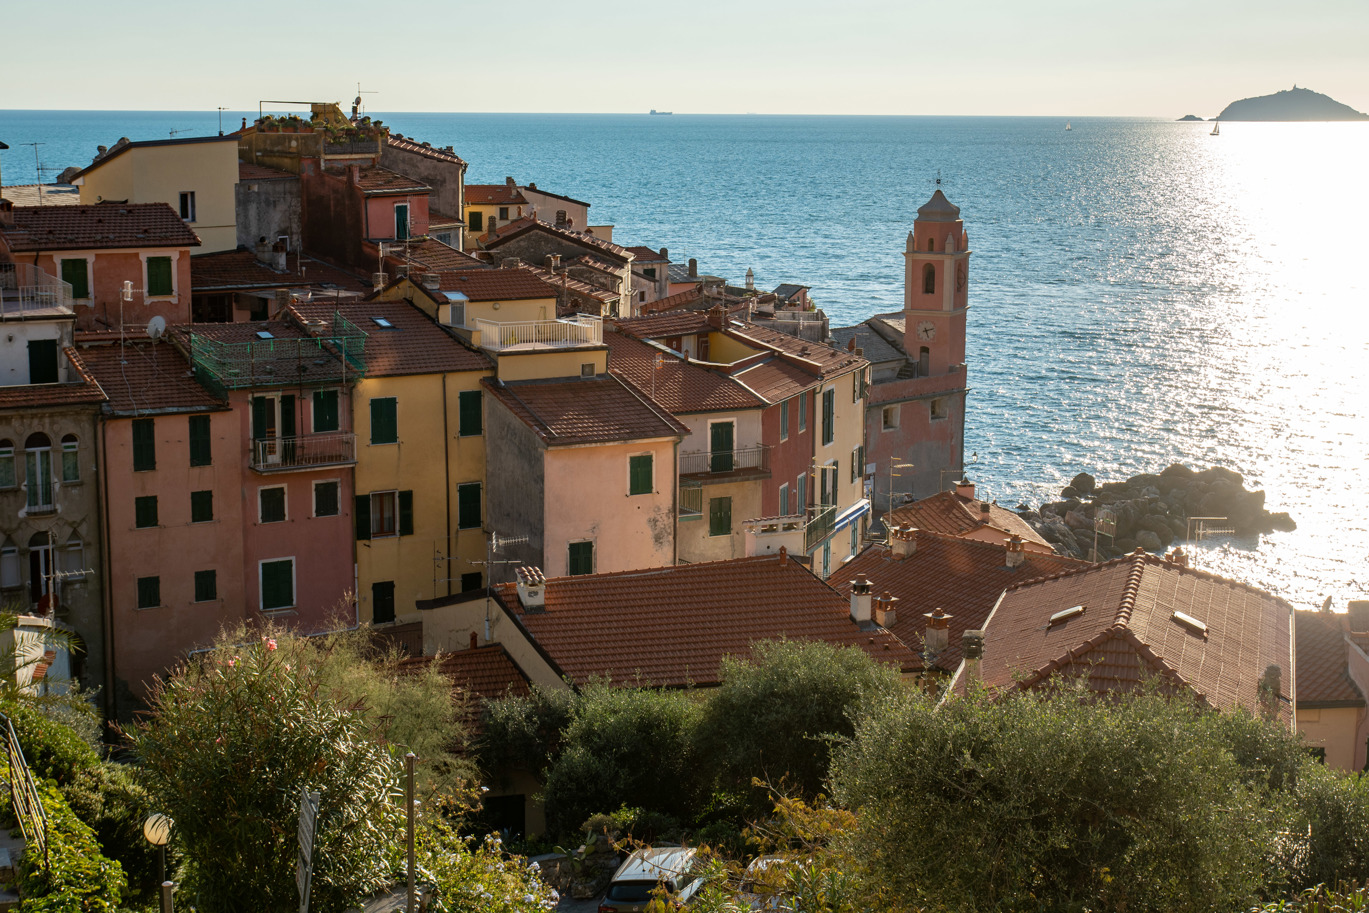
[1149,541]
[1190,117]
[1076,520]
[1083,483]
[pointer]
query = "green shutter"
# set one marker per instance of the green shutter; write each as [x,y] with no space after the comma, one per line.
[406,513]
[158,277]
[206,586]
[471,420]
[277,585]
[74,272]
[384,423]
[362,513]
[201,453]
[829,405]
[719,516]
[201,506]
[784,419]
[261,415]
[581,558]
[639,474]
[468,506]
[325,410]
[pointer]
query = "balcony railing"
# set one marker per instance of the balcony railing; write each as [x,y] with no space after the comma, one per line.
[569,332]
[25,289]
[820,527]
[718,461]
[304,451]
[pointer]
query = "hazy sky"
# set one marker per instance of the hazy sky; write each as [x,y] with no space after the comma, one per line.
[1052,57]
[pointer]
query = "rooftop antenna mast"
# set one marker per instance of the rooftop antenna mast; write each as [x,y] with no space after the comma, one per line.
[356,105]
[38,167]
[221,110]
[493,545]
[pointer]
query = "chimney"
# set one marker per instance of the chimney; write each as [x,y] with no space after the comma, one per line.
[431,281]
[972,645]
[475,640]
[1358,610]
[784,556]
[278,256]
[508,182]
[354,174]
[717,316]
[263,251]
[885,616]
[553,262]
[570,223]
[984,509]
[379,281]
[693,268]
[938,634]
[860,600]
[665,253]
[1016,553]
[903,542]
[1271,683]
[491,224]
[965,488]
[510,263]
[532,588]
[750,280]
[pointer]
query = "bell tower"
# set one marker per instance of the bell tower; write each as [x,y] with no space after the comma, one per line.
[936,288]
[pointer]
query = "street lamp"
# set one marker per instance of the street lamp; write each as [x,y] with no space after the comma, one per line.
[157,831]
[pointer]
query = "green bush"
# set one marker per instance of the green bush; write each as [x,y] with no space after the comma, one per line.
[524,732]
[476,876]
[1335,818]
[79,879]
[54,751]
[108,799]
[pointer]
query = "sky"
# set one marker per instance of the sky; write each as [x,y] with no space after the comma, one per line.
[986,57]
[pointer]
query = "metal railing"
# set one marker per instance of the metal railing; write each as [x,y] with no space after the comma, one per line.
[820,527]
[691,502]
[24,289]
[579,330]
[28,807]
[702,462]
[326,448]
[337,354]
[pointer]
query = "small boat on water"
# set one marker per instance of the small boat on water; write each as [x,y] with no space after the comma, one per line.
[1067,126]
[1216,128]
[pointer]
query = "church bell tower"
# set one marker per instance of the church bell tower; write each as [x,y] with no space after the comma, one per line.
[936,279]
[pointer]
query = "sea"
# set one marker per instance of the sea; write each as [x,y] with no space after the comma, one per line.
[1142,292]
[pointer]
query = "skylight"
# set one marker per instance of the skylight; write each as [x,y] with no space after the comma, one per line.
[264,334]
[1193,624]
[1064,614]
[383,323]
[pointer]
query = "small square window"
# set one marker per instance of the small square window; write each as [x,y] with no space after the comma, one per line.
[149,592]
[938,407]
[201,506]
[326,499]
[272,502]
[888,418]
[581,558]
[145,511]
[206,586]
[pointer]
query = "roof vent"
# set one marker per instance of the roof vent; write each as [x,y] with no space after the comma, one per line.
[1065,615]
[532,588]
[1193,624]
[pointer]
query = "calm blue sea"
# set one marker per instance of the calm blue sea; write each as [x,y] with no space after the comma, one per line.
[1142,292]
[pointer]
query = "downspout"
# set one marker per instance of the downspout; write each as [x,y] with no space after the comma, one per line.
[449,547]
[675,505]
[102,504]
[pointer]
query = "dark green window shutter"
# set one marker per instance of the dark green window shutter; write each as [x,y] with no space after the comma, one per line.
[829,405]
[201,453]
[477,220]
[581,558]
[43,361]
[206,586]
[263,416]
[362,513]
[719,516]
[74,272]
[406,513]
[201,506]
[145,511]
[325,410]
[384,422]
[639,474]
[471,421]
[468,506]
[158,276]
[784,419]
[277,584]
[325,499]
[149,592]
[383,601]
[144,445]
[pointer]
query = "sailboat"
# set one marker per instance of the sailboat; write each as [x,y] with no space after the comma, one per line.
[1067,125]
[1216,128]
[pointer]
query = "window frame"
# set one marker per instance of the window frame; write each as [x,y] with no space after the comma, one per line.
[803,413]
[465,410]
[284,503]
[155,291]
[896,411]
[378,403]
[142,504]
[936,409]
[81,292]
[149,592]
[784,500]
[634,474]
[716,531]
[71,459]
[337,497]
[571,560]
[9,475]
[195,507]
[9,561]
[403,228]
[213,586]
[187,205]
[144,436]
[378,500]
[261,584]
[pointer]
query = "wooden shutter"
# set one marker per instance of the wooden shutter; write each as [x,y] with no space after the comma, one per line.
[384,423]
[719,516]
[639,474]
[201,453]
[470,419]
[468,506]
[362,513]
[74,272]
[406,513]
[829,405]
[581,558]
[325,410]
[144,445]
[158,276]
[277,584]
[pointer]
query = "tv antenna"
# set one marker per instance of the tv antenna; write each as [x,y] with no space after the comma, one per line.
[493,546]
[38,165]
[356,105]
[175,133]
[221,110]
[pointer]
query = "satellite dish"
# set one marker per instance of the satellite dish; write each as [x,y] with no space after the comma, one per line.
[156,327]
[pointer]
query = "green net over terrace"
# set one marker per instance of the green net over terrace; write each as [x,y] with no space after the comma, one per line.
[240,356]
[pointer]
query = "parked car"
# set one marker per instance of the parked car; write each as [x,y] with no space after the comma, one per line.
[634,884]
[762,885]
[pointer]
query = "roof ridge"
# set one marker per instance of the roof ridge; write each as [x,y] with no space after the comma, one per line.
[1133,586]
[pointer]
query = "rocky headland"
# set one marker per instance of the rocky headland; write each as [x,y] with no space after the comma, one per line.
[1290,105]
[1190,117]
[1150,511]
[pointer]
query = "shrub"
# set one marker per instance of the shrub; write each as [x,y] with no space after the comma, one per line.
[525,731]
[108,799]
[79,879]
[475,876]
[54,751]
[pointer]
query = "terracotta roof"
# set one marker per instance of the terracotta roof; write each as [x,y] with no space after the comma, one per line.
[442,220]
[599,263]
[413,344]
[874,346]
[675,302]
[493,195]
[1323,678]
[434,255]
[778,380]
[510,230]
[407,144]
[41,194]
[596,410]
[249,172]
[240,269]
[535,189]
[955,515]
[962,577]
[680,386]
[579,286]
[646,255]
[145,376]
[658,326]
[497,284]
[83,391]
[275,361]
[672,626]
[827,361]
[1128,631]
[484,671]
[377,181]
[788,290]
[98,227]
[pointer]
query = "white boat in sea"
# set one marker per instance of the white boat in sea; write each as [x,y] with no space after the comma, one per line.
[1067,125]
[1216,128]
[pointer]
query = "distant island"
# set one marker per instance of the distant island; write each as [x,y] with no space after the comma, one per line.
[1290,105]
[1188,117]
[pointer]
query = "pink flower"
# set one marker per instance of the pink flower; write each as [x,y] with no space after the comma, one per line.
[271,643]
[218,740]
[232,662]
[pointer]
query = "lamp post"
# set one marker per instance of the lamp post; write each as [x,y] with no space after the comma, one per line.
[157,831]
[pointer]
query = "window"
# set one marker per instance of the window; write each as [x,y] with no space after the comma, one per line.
[149,592]
[145,511]
[277,584]
[383,601]
[640,481]
[7,477]
[71,458]
[401,221]
[829,415]
[326,500]
[325,410]
[384,514]
[188,205]
[159,277]
[803,413]
[720,516]
[200,450]
[855,538]
[470,418]
[10,576]
[43,361]
[144,445]
[826,559]
[468,506]
[503,213]
[477,220]
[201,506]
[801,493]
[206,586]
[587,369]
[888,418]
[929,278]
[444,237]
[77,274]
[470,582]
[271,504]
[38,471]
[938,407]
[581,559]
[384,422]
[784,420]
[784,500]
[691,502]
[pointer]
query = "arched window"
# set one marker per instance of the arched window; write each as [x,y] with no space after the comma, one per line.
[71,458]
[7,477]
[929,279]
[38,471]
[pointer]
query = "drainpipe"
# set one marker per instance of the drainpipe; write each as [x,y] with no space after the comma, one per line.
[675,504]
[449,547]
[108,600]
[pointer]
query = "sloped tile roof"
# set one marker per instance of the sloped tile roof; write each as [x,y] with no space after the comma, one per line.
[146,376]
[510,230]
[249,172]
[1323,678]
[408,144]
[486,672]
[777,380]
[377,181]
[98,227]
[955,515]
[276,360]
[787,290]
[439,257]
[41,194]
[679,386]
[493,195]
[240,269]
[876,348]
[532,187]
[646,254]
[442,220]
[82,391]
[962,577]
[672,626]
[828,361]
[657,326]
[599,263]
[415,343]
[1134,598]
[597,410]
[556,280]
[517,284]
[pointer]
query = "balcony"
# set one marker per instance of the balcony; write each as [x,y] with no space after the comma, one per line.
[727,465]
[304,451]
[529,335]
[26,291]
[820,526]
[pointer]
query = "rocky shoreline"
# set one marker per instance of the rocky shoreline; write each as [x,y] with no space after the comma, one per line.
[1150,511]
